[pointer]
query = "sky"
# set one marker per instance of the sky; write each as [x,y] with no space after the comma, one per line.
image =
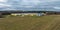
[30,5]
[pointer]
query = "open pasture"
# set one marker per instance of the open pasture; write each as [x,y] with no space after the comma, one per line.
[51,22]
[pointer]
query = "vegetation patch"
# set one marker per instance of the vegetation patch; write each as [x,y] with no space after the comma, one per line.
[30,23]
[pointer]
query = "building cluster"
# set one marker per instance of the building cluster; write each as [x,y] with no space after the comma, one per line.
[28,13]
[22,13]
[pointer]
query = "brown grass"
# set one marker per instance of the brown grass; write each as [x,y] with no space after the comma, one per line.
[30,23]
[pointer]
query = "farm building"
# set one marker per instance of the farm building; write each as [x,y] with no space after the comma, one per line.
[30,13]
[25,14]
[21,13]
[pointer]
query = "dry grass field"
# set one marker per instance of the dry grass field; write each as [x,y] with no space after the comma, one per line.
[51,22]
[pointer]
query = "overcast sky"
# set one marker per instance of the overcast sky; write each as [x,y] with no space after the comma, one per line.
[22,4]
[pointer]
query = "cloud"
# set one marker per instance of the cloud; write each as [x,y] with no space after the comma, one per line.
[3,0]
[2,5]
[37,2]
[56,7]
[14,4]
[27,6]
[30,2]
[49,0]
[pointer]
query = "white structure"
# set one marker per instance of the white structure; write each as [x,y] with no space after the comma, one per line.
[25,14]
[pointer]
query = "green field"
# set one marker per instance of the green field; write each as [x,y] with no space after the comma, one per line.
[51,22]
